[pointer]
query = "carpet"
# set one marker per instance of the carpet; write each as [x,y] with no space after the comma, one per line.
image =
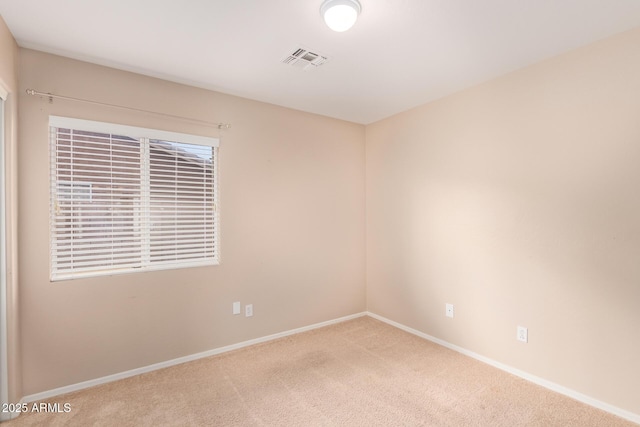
[362,372]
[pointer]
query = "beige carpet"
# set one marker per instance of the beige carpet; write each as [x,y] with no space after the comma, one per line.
[357,373]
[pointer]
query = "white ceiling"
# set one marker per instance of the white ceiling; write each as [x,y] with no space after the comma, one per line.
[400,53]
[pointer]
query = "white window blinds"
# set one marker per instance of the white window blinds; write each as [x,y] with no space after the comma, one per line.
[127,199]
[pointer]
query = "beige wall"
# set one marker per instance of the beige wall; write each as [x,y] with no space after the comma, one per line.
[518,201]
[9,79]
[292,209]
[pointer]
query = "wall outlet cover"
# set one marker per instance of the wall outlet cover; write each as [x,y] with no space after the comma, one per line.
[523,334]
[449,310]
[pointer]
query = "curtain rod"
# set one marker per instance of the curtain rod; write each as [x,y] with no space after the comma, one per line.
[51,96]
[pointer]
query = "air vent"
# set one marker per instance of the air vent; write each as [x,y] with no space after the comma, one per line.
[304,58]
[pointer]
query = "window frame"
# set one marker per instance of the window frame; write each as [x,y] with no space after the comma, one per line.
[144,136]
[4,344]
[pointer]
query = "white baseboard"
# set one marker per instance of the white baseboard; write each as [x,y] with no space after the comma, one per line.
[532,378]
[6,416]
[109,378]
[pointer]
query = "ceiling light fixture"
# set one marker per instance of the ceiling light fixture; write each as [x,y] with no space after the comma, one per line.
[340,15]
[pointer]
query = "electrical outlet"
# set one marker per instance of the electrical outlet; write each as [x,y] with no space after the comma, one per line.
[523,334]
[236,307]
[248,310]
[449,310]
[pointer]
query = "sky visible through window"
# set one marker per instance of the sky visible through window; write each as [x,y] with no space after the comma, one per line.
[202,151]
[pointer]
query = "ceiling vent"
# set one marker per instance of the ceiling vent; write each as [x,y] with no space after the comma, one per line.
[305,59]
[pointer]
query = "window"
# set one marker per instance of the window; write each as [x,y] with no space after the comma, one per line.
[126,199]
[71,190]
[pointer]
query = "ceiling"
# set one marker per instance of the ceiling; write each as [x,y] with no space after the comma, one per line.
[400,53]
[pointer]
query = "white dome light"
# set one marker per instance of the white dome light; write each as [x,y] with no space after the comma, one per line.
[340,15]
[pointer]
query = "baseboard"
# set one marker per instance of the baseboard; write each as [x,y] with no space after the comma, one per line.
[110,378]
[6,416]
[630,416]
